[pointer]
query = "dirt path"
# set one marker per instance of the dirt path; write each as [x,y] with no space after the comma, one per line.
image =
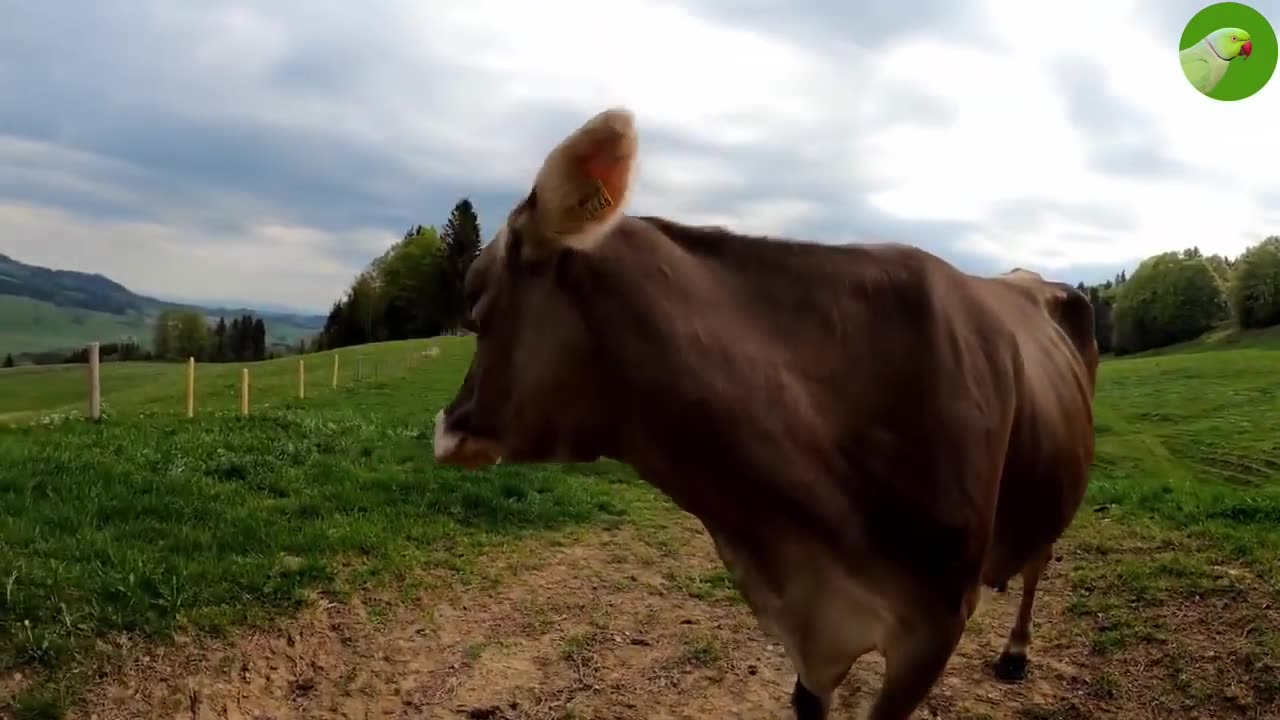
[625,624]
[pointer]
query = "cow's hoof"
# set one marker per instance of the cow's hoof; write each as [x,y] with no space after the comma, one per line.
[807,706]
[1011,668]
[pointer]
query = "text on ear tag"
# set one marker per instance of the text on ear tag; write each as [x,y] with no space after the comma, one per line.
[596,202]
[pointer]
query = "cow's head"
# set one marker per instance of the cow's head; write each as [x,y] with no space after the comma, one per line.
[1068,307]
[532,391]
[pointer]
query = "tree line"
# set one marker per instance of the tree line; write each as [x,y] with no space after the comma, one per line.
[176,335]
[1176,296]
[414,289]
[180,334]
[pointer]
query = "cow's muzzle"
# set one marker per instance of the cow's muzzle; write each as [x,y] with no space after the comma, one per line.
[454,448]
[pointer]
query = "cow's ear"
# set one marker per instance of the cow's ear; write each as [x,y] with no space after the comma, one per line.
[584,182]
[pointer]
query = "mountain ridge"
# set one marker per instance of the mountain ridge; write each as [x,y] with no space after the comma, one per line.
[47,309]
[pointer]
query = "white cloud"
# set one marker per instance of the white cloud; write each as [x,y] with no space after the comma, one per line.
[43,166]
[719,84]
[270,263]
[1014,140]
[1012,136]
[750,126]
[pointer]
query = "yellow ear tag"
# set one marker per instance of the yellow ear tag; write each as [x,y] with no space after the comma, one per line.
[596,202]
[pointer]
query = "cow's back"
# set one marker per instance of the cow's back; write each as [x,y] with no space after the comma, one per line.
[1051,445]
[875,384]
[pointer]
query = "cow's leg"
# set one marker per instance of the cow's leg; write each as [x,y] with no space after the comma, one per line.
[915,657]
[821,665]
[825,623]
[824,634]
[806,704]
[1012,665]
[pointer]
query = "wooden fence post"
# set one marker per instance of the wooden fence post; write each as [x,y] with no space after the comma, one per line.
[191,386]
[335,371]
[359,367]
[302,379]
[95,383]
[244,391]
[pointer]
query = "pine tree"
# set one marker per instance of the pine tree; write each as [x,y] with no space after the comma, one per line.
[220,340]
[259,339]
[459,246]
[232,341]
[244,343]
[8,360]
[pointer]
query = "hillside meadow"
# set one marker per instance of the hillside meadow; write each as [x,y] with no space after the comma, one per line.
[312,561]
[29,325]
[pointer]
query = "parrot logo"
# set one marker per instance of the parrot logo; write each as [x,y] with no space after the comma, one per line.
[1206,62]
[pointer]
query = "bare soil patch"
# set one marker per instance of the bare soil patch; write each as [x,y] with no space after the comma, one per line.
[625,623]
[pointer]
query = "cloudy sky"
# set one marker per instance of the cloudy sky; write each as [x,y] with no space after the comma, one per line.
[266,151]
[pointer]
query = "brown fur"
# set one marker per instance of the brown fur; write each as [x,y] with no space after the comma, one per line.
[858,427]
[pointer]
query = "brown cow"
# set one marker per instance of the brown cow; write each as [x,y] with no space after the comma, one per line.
[869,435]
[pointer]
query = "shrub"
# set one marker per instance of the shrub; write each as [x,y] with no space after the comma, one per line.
[1172,297]
[1254,291]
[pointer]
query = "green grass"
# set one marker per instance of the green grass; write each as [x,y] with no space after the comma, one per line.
[702,649]
[1179,541]
[151,523]
[1189,443]
[30,392]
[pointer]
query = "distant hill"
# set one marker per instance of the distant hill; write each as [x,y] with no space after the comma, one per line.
[44,310]
[262,307]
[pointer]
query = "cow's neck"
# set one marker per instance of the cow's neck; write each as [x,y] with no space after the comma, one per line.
[732,501]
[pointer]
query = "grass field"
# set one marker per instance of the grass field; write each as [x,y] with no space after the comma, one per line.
[30,392]
[118,537]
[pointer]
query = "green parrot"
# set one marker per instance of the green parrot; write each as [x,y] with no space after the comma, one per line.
[1206,62]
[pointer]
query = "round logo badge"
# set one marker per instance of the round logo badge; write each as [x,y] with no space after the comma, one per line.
[1228,51]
